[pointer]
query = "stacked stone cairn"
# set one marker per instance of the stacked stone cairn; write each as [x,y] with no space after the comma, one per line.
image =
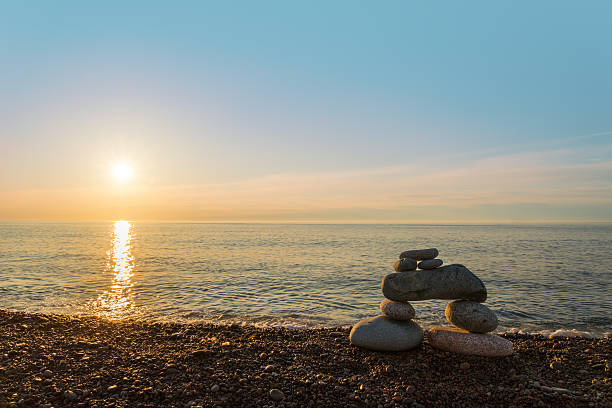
[395,330]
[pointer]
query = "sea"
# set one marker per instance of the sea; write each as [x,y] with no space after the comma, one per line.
[539,278]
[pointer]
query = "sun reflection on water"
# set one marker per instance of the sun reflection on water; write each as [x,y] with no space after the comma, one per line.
[118,301]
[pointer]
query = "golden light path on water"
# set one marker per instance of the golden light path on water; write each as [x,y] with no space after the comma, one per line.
[118,301]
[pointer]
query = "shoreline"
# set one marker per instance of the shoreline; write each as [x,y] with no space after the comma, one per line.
[292,323]
[51,360]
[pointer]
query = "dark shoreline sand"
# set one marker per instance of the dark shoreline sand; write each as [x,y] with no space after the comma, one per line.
[51,360]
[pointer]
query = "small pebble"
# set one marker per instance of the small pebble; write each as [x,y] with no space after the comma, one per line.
[69,395]
[464,366]
[200,353]
[215,388]
[405,264]
[555,365]
[276,395]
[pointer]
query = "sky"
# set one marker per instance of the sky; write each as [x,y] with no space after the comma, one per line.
[278,111]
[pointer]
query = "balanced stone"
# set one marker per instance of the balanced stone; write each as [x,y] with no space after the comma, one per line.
[464,342]
[405,264]
[397,310]
[472,316]
[420,254]
[380,333]
[448,282]
[430,264]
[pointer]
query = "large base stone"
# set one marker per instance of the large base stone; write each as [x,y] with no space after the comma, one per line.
[380,333]
[463,342]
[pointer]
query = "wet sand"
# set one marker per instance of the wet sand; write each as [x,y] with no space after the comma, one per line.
[61,361]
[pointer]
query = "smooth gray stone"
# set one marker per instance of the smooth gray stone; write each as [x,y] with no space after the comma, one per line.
[380,333]
[471,316]
[430,264]
[406,264]
[420,254]
[448,282]
[397,310]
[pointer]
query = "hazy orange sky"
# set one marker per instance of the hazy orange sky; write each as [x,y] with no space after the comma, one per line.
[279,112]
[513,187]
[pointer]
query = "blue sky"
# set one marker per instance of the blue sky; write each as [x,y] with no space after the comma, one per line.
[311,103]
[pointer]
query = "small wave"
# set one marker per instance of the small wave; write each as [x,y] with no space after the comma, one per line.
[303,323]
[559,333]
[261,321]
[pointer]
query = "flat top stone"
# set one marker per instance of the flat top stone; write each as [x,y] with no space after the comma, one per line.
[420,254]
[448,282]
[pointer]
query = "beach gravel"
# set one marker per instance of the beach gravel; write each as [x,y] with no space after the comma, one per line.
[43,356]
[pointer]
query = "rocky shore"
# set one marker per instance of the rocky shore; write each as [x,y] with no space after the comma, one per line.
[61,361]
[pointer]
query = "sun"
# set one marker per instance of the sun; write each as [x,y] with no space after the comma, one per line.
[122,172]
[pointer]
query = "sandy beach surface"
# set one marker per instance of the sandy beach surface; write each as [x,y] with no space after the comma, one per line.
[62,361]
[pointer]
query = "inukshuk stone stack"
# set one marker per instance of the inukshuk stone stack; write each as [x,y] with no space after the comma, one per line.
[432,281]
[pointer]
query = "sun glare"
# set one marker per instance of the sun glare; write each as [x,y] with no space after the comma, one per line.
[122,172]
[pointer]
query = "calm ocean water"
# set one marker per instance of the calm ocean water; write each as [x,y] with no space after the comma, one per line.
[538,277]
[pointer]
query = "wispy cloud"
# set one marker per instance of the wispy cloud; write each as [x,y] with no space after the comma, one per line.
[551,178]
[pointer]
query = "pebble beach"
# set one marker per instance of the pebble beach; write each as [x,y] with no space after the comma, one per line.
[65,361]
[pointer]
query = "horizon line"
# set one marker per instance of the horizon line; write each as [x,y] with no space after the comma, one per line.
[319,222]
